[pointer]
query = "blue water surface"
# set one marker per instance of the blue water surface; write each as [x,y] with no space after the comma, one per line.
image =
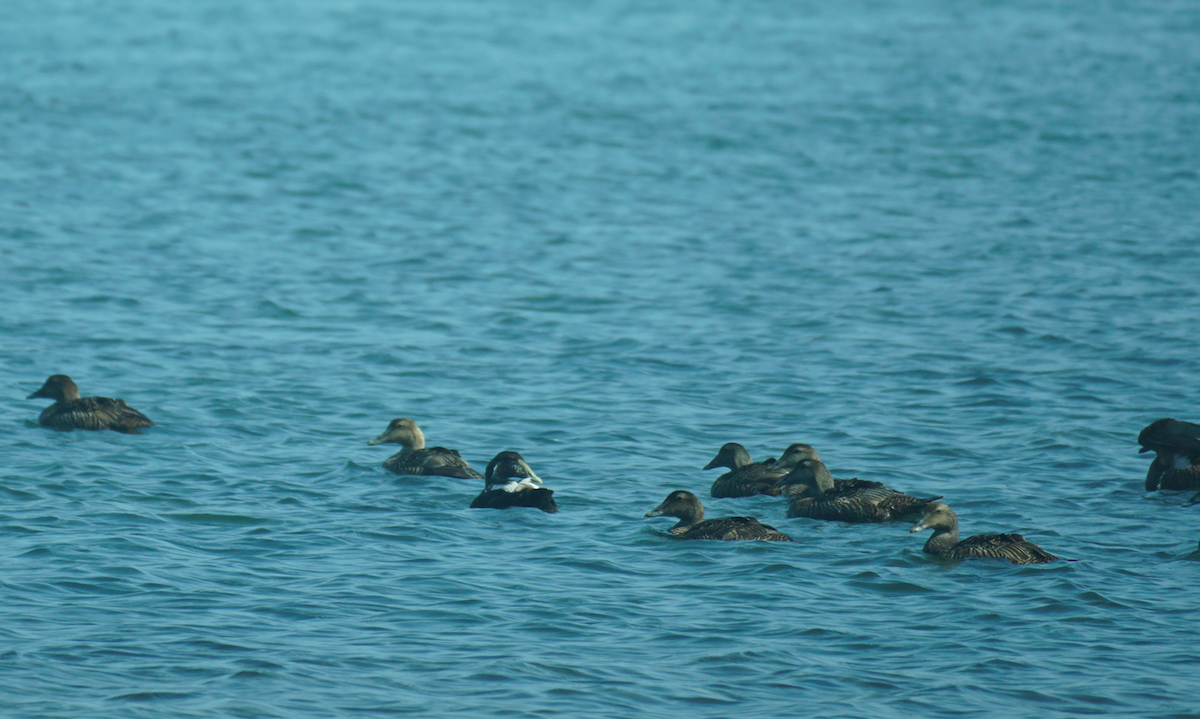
[953,246]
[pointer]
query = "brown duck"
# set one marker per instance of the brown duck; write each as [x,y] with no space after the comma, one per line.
[945,543]
[692,524]
[746,477]
[817,495]
[414,458]
[70,411]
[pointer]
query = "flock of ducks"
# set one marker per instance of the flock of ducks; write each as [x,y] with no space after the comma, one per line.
[798,474]
[812,492]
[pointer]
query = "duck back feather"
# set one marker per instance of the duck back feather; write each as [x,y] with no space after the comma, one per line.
[859,501]
[1011,547]
[437,461]
[754,478]
[731,529]
[538,498]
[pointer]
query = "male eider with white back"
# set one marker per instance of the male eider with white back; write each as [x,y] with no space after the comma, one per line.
[70,411]
[414,458]
[512,466]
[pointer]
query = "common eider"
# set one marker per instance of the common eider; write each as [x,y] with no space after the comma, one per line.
[747,478]
[817,495]
[70,411]
[1176,462]
[525,493]
[944,542]
[415,458]
[792,456]
[692,525]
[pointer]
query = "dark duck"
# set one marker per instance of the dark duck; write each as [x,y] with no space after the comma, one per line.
[414,458]
[945,543]
[817,495]
[1176,462]
[70,411]
[746,477]
[692,524]
[506,469]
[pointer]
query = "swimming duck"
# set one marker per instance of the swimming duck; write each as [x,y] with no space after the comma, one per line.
[1176,446]
[415,458]
[525,493]
[944,542]
[70,411]
[817,495]
[747,478]
[792,456]
[692,525]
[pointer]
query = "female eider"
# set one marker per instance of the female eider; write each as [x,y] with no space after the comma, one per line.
[525,493]
[1176,462]
[415,458]
[70,411]
[747,478]
[944,542]
[817,495]
[692,525]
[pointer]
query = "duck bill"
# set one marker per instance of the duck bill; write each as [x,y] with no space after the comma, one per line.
[529,470]
[919,526]
[713,464]
[379,440]
[656,512]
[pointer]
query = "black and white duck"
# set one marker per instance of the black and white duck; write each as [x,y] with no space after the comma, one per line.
[519,489]
[1176,462]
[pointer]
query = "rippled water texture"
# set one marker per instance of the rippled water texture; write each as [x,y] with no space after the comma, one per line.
[952,246]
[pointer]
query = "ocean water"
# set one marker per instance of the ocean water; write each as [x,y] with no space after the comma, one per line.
[952,246]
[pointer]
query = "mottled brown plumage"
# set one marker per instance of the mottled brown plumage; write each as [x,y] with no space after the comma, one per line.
[747,478]
[1176,462]
[70,411]
[415,458]
[692,524]
[511,465]
[817,495]
[945,543]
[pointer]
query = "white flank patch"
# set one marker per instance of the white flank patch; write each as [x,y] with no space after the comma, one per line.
[521,486]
